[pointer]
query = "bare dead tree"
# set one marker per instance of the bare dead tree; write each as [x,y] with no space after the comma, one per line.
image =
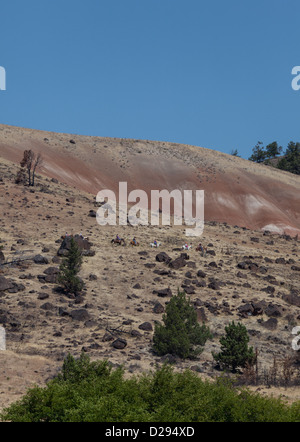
[30,163]
[37,162]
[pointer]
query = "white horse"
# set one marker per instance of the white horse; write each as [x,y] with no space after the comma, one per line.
[155,245]
[186,247]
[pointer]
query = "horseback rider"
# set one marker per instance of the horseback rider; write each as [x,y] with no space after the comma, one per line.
[134,241]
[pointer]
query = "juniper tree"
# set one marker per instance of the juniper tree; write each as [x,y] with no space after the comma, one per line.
[69,269]
[181,334]
[234,347]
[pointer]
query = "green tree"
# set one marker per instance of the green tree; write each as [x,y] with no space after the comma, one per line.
[291,160]
[181,334]
[273,150]
[69,269]
[234,347]
[258,153]
[235,153]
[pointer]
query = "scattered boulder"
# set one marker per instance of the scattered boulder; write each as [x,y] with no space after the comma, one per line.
[2,257]
[246,310]
[214,285]
[136,333]
[296,268]
[39,259]
[107,337]
[5,284]
[146,326]
[273,310]
[119,343]
[163,257]
[243,265]
[43,296]
[48,306]
[189,289]
[93,277]
[80,314]
[270,290]
[83,244]
[163,292]
[179,262]
[158,308]
[51,275]
[292,299]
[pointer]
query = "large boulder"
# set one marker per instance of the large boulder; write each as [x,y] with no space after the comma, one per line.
[80,315]
[163,292]
[83,244]
[163,257]
[5,284]
[119,343]
[39,259]
[179,262]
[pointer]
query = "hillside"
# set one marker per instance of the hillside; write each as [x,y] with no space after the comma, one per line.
[237,191]
[247,275]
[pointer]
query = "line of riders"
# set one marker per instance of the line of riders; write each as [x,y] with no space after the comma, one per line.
[155,243]
[121,241]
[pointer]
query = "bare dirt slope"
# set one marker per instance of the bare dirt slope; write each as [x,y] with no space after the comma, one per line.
[236,190]
[247,276]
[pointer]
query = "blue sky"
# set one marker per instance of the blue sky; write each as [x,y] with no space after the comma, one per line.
[211,73]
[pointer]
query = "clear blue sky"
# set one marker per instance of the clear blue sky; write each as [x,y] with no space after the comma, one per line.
[210,73]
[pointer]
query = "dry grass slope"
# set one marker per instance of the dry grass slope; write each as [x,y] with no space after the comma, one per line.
[249,276]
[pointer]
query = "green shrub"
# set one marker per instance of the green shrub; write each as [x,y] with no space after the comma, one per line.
[88,391]
[234,347]
[181,334]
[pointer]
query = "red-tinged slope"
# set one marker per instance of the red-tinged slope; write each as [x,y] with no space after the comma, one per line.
[237,191]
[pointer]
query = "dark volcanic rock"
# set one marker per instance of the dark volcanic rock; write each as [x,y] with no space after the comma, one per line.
[163,292]
[163,257]
[273,310]
[158,308]
[119,343]
[39,259]
[178,263]
[83,244]
[5,284]
[292,299]
[80,314]
[270,324]
[147,326]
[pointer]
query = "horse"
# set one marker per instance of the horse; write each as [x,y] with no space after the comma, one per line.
[186,247]
[132,243]
[118,241]
[155,245]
